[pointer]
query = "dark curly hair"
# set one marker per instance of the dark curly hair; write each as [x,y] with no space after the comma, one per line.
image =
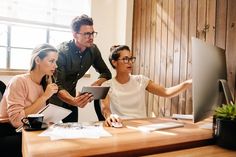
[78,21]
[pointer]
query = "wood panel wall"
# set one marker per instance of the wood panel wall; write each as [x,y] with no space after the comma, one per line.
[162,31]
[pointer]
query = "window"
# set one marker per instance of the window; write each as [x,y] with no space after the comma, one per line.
[23,36]
[3,46]
[24,24]
[3,35]
[3,54]
[18,41]
[56,37]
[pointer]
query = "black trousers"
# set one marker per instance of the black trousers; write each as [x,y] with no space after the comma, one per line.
[10,141]
[73,116]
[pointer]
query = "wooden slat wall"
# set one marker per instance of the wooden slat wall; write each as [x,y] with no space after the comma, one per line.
[231,43]
[170,52]
[176,56]
[162,31]
[192,32]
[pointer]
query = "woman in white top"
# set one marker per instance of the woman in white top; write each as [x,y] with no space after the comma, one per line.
[126,97]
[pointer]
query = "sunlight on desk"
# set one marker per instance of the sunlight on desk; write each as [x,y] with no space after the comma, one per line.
[206,126]
[156,126]
[166,133]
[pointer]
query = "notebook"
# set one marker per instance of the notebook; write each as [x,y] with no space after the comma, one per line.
[157,126]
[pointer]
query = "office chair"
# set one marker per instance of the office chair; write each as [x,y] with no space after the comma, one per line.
[10,145]
[98,111]
[2,89]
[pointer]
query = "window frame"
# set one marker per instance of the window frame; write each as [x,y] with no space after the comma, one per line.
[10,22]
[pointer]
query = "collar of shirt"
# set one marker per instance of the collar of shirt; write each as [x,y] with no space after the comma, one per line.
[76,49]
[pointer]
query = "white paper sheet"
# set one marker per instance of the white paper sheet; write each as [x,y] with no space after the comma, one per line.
[54,113]
[74,130]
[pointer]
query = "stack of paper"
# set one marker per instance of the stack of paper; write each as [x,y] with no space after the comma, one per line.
[75,130]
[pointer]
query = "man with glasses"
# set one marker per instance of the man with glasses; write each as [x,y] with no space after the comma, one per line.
[75,58]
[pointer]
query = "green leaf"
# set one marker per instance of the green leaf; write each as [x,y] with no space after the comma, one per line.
[226,111]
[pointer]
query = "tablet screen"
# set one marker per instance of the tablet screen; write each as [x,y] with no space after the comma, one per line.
[98,92]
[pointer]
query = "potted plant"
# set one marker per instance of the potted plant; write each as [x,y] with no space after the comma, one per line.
[225,126]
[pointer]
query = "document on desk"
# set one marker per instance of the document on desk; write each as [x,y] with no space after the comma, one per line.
[54,113]
[156,126]
[74,131]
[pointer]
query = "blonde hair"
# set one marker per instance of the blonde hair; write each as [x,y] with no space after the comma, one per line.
[40,51]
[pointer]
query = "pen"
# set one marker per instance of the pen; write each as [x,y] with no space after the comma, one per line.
[19,129]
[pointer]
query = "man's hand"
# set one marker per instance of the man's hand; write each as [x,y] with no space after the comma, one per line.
[81,100]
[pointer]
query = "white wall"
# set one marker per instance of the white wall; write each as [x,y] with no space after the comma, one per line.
[113,22]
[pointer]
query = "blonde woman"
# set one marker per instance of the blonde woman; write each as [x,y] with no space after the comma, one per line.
[26,94]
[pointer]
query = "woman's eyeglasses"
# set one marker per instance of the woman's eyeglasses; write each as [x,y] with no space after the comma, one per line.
[126,60]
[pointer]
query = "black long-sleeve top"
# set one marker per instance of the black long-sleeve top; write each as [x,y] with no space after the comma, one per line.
[72,65]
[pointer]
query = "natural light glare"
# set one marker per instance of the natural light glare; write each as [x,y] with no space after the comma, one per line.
[27,37]
[25,24]
[49,11]
[57,37]
[3,35]
[3,54]
[20,58]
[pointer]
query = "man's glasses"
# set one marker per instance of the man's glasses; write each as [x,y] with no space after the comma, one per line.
[127,59]
[89,34]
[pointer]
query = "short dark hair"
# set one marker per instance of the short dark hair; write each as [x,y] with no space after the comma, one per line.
[78,21]
[115,52]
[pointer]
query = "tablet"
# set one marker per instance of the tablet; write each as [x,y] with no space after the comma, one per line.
[98,92]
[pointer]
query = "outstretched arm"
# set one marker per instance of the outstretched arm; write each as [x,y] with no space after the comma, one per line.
[168,92]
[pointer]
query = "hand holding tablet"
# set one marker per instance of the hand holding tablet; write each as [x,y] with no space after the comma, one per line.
[98,92]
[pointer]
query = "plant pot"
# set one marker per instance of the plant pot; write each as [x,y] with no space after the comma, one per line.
[225,133]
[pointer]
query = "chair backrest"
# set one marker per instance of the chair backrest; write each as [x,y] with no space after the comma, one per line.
[2,89]
[98,111]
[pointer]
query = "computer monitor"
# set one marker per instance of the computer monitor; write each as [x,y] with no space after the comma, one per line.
[209,76]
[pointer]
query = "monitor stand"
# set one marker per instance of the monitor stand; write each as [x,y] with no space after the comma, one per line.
[227,94]
[223,85]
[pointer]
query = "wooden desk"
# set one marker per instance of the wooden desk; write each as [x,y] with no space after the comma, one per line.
[124,142]
[209,151]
